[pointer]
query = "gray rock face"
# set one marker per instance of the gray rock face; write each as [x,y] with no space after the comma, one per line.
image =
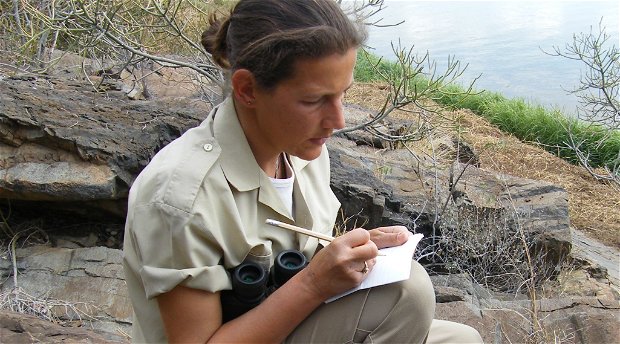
[64,141]
[417,196]
[600,260]
[21,328]
[502,318]
[81,285]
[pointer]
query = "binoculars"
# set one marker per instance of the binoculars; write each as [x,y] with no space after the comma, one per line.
[251,284]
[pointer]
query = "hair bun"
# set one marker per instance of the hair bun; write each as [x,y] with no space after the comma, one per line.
[214,40]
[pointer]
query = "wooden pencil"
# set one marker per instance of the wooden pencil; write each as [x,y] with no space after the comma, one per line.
[302,231]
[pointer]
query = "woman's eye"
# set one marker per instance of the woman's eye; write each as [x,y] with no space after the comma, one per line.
[312,101]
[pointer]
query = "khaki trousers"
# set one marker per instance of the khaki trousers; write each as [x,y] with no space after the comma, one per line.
[395,313]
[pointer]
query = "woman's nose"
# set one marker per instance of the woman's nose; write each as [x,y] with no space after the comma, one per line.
[334,115]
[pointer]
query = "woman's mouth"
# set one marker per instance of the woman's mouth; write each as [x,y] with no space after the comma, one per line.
[319,141]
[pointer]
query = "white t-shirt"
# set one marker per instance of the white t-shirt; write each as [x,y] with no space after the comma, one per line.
[285,187]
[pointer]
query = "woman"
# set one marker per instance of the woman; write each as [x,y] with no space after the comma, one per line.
[199,208]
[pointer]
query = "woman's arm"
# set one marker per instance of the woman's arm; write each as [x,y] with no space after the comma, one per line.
[195,316]
[189,315]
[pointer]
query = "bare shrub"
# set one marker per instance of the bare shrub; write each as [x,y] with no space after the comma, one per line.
[57,311]
[599,88]
[18,299]
[492,247]
[599,101]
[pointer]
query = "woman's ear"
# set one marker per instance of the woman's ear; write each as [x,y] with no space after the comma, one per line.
[244,87]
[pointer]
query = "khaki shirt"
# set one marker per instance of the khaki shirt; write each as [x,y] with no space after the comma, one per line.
[199,208]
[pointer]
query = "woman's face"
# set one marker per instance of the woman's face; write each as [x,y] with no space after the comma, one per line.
[301,112]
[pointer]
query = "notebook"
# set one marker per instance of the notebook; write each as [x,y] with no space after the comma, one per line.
[394,266]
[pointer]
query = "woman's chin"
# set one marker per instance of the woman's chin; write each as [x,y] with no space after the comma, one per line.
[309,154]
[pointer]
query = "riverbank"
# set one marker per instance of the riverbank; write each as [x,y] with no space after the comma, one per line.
[546,128]
[593,205]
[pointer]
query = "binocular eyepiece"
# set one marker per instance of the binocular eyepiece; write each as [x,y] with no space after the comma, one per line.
[286,265]
[251,284]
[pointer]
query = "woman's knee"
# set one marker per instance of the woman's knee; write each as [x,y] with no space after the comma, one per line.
[419,283]
[443,331]
[399,312]
[413,297]
[418,292]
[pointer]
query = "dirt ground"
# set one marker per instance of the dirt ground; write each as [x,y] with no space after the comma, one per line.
[594,205]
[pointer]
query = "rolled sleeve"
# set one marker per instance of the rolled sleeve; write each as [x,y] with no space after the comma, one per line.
[175,250]
[160,280]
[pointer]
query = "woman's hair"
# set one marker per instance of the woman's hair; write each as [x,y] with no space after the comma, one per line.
[266,37]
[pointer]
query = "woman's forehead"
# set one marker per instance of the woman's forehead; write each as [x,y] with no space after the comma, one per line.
[332,71]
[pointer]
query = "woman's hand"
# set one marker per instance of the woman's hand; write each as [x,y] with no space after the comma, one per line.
[341,265]
[389,236]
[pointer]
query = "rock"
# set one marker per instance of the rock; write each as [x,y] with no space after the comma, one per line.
[91,280]
[64,141]
[23,328]
[145,80]
[602,261]
[454,287]
[503,326]
[560,319]
[380,187]
[79,284]
[578,319]
[582,324]
[399,196]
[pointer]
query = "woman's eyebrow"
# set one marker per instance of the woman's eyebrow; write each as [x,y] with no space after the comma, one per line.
[318,91]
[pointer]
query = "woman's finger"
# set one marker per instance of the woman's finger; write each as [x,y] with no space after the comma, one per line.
[355,237]
[367,265]
[389,236]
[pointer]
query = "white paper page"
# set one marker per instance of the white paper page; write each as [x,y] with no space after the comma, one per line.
[393,267]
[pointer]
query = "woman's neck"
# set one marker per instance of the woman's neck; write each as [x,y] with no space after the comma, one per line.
[270,161]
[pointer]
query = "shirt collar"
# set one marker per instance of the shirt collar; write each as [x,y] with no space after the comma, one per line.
[237,160]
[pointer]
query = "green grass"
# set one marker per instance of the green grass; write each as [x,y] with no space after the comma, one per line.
[529,122]
[365,70]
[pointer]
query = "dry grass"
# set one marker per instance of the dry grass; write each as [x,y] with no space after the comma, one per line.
[594,206]
[57,311]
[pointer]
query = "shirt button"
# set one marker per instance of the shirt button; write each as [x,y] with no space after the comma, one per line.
[207,147]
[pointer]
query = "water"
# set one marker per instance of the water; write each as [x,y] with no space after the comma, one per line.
[503,41]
